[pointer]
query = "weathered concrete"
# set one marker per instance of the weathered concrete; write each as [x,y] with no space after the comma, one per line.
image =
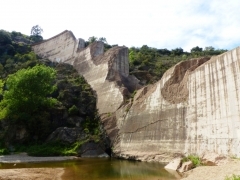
[186,166]
[188,111]
[107,73]
[194,107]
[174,164]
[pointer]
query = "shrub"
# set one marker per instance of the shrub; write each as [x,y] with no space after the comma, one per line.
[4,151]
[195,160]
[73,110]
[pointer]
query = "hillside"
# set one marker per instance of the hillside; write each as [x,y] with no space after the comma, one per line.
[76,110]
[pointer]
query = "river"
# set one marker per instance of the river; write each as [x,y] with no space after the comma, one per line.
[103,169]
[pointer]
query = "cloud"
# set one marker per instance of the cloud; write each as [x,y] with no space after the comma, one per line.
[157,23]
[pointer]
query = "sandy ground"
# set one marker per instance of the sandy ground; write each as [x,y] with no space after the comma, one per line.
[31,173]
[214,172]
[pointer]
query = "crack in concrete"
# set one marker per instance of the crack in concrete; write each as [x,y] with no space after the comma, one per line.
[145,126]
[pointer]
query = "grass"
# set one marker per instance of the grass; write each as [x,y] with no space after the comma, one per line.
[53,149]
[195,160]
[233,177]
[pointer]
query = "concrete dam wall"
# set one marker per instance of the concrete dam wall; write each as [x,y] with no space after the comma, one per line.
[194,108]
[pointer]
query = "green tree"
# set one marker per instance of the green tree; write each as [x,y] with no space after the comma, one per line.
[177,51]
[209,48]
[36,32]
[102,39]
[196,49]
[5,37]
[1,86]
[92,39]
[27,92]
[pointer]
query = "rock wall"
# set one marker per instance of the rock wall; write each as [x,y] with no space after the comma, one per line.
[107,73]
[194,108]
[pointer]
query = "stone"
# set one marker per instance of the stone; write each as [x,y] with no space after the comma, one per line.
[213,159]
[66,135]
[92,149]
[75,121]
[186,166]
[174,164]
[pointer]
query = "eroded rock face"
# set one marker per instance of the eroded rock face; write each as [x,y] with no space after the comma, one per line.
[193,108]
[107,73]
[190,110]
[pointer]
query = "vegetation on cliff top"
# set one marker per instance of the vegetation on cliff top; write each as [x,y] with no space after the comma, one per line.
[149,64]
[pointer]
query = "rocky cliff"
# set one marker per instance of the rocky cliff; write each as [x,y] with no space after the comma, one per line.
[107,73]
[194,107]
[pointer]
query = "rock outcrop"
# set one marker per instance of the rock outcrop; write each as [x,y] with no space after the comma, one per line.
[194,107]
[107,73]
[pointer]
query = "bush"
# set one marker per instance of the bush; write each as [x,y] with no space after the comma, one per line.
[73,110]
[4,151]
[195,160]
[52,149]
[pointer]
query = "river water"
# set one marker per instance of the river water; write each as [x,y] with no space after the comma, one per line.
[104,169]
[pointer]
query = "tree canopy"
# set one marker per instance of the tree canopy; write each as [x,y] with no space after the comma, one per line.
[36,32]
[27,92]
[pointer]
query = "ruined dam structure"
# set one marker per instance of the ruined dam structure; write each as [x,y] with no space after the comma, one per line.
[194,108]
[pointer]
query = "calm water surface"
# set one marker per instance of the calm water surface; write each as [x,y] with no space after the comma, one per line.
[104,169]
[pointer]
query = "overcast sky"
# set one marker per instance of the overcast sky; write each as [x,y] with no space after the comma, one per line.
[156,23]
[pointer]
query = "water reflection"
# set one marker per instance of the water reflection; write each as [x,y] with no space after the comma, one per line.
[118,170]
[103,168]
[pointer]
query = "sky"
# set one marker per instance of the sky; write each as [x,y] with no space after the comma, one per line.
[157,23]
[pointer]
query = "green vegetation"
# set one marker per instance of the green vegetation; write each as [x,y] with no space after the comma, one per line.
[233,177]
[4,151]
[38,96]
[36,32]
[51,149]
[149,64]
[195,160]
[27,92]
[73,110]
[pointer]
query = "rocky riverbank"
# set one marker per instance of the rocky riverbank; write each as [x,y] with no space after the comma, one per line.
[214,172]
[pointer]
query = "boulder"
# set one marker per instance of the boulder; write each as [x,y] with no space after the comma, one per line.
[92,149]
[174,164]
[66,135]
[75,121]
[186,166]
[213,159]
